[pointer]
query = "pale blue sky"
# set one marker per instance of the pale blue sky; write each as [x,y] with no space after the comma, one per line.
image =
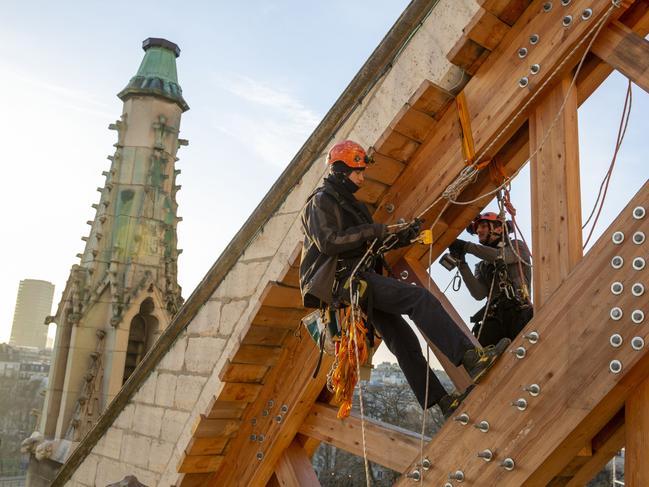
[258,77]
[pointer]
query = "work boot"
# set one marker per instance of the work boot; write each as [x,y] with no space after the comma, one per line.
[478,361]
[450,402]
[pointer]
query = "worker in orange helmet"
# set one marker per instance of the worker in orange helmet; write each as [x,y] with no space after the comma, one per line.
[502,276]
[338,229]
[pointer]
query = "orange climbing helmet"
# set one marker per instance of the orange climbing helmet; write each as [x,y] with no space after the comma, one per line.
[490,216]
[349,153]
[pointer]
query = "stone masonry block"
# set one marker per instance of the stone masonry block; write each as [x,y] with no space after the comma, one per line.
[110,443]
[165,390]
[146,393]
[160,455]
[187,390]
[110,471]
[148,420]
[241,281]
[87,471]
[230,315]
[125,418]
[270,237]
[202,353]
[136,450]
[175,356]
[206,321]
[300,192]
[173,423]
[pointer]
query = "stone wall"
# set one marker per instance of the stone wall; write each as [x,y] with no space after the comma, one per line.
[150,434]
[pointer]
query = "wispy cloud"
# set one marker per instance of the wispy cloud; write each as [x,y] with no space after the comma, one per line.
[275,124]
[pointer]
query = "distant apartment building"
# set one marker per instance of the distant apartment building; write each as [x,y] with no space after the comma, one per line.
[33,304]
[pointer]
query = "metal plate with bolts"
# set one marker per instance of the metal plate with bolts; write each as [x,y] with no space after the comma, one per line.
[616,313]
[617,262]
[637,343]
[637,316]
[617,288]
[615,366]
[617,237]
[639,212]
[615,340]
[637,289]
[639,263]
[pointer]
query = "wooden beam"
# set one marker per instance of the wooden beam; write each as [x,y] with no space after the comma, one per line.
[205,427]
[387,445]
[636,467]
[193,480]
[625,51]
[294,468]
[579,395]
[486,29]
[417,274]
[555,191]
[199,463]
[509,11]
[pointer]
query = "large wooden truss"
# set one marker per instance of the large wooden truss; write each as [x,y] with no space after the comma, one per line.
[269,416]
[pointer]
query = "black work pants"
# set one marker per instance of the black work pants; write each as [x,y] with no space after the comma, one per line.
[390,299]
[505,319]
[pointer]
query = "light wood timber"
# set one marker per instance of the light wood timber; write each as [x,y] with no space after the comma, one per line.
[571,364]
[206,446]
[636,467]
[385,169]
[264,335]
[192,479]
[509,11]
[418,275]
[205,427]
[279,317]
[243,373]
[257,355]
[396,145]
[486,29]
[625,51]
[431,99]
[412,123]
[467,55]
[239,392]
[281,296]
[221,409]
[199,463]
[294,468]
[386,445]
[555,191]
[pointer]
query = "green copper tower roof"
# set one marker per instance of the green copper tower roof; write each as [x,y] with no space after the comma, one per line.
[157,74]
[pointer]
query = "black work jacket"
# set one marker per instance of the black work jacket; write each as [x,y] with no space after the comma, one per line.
[336,226]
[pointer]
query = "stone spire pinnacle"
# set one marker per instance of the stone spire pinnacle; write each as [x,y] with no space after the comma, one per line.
[157,73]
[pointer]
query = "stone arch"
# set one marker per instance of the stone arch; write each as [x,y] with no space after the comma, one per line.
[141,334]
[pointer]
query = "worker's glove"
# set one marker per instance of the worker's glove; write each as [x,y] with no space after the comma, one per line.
[406,235]
[458,249]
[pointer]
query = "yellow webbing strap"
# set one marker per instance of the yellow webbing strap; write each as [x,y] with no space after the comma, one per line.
[468,148]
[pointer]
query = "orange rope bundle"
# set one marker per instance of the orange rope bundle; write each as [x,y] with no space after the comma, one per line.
[345,375]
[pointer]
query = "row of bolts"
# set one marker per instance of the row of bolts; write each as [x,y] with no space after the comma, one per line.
[534,390]
[266,412]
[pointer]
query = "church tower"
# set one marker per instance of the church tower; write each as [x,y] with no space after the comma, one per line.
[124,291]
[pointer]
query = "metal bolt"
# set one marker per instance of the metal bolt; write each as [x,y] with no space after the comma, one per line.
[253,437]
[508,464]
[284,409]
[616,313]
[615,366]
[639,212]
[547,6]
[637,343]
[264,412]
[253,421]
[414,475]
[534,39]
[487,455]
[260,456]
[565,3]
[426,464]
[389,207]
[637,316]
[522,52]
[535,68]
[637,289]
[638,238]
[533,389]
[617,237]
[638,263]
[271,403]
[587,14]
[520,352]
[617,262]
[482,426]
[463,419]
[261,438]
[567,20]
[523,82]
[617,287]
[615,340]
[279,418]
[458,476]
[404,275]
[520,403]
[448,484]
[533,337]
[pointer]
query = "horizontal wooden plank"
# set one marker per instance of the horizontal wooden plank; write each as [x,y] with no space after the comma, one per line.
[431,99]
[395,145]
[412,123]
[222,409]
[486,29]
[279,317]
[371,191]
[205,427]
[247,373]
[233,391]
[292,277]
[206,446]
[199,463]
[193,480]
[467,54]
[385,169]
[281,296]
[257,355]
[509,11]
[264,335]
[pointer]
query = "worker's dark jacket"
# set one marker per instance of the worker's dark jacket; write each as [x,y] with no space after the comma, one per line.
[337,228]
